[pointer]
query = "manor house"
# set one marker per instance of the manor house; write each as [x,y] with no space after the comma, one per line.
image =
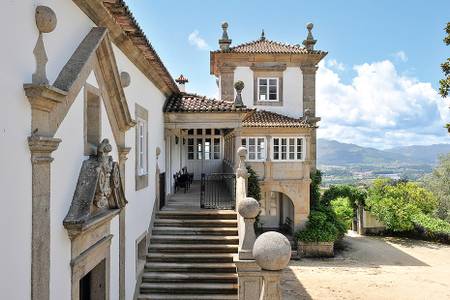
[120,184]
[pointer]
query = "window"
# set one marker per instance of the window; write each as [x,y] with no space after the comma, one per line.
[288,148]
[256,148]
[142,146]
[268,89]
[203,144]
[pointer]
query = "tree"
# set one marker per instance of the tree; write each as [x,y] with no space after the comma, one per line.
[254,190]
[438,182]
[314,188]
[444,84]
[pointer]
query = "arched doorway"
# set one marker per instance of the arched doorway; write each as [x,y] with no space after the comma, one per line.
[277,212]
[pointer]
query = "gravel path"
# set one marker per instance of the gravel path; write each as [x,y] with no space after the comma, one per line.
[373,268]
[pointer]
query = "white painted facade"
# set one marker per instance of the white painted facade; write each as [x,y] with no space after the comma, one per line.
[292,91]
[18,64]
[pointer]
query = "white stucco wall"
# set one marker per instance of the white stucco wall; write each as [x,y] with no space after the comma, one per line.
[292,91]
[140,203]
[17,65]
[17,61]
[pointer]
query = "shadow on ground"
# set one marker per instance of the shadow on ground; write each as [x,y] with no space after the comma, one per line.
[365,251]
[292,287]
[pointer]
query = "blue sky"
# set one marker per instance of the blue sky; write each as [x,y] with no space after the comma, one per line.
[382,68]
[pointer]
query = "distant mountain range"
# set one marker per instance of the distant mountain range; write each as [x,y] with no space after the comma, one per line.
[330,152]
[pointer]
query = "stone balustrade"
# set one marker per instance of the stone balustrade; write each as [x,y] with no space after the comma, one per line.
[260,261]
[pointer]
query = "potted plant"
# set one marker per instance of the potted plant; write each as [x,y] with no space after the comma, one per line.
[322,230]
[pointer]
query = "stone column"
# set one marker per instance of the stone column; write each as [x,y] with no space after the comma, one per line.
[226,73]
[237,145]
[41,149]
[123,152]
[309,103]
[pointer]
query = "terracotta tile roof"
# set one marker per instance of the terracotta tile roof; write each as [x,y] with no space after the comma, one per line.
[268,46]
[263,118]
[125,19]
[185,102]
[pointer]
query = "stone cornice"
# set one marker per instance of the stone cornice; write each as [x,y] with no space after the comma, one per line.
[41,148]
[44,97]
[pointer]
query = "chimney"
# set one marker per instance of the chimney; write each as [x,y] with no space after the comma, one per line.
[224,42]
[181,81]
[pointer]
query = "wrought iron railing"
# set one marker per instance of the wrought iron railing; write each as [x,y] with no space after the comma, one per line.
[218,191]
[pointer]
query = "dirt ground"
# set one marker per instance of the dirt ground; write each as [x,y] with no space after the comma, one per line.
[373,268]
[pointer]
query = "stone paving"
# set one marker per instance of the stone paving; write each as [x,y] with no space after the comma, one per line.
[373,268]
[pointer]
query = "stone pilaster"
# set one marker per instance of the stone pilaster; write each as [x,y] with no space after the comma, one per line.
[123,152]
[227,82]
[41,149]
[249,279]
[309,103]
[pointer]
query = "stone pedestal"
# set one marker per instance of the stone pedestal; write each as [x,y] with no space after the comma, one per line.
[271,289]
[249,279]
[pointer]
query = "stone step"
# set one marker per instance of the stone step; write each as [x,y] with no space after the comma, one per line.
[189,277]
[190,288]
[197,214]
[157,296]
[194,239]
[195,223]
[190,257]
[190,267]
[194,231]
[192,248]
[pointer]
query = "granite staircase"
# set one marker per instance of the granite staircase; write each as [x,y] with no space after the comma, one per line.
[191,256]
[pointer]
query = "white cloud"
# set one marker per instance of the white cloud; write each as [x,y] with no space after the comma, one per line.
[401,55]
[197,41]
[332,63]
[379,108]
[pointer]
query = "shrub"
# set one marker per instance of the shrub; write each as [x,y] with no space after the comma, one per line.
[322,226]
[432,228]
[395,204]
[254,190]
[343,210]
[314,188]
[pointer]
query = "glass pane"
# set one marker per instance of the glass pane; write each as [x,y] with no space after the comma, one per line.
[217,131]
[276,141]
[191,141]
[199,131]
[291,155]
[208,131]
[191,131]
[190,156]
[251,156]
[199,148]
[244,142]
[259,156]
[276,156]
[272,89]
[283,141]
[283,155]
[273,82]
[251,141]
[272,96]
[299,155]
[262,81]
[216,155]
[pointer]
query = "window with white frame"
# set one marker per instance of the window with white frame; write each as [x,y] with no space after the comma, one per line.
[203,144]
[268,89]
[288,148]
[142,147]
[256,148]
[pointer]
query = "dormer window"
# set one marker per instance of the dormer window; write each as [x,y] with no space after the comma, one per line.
[268,89]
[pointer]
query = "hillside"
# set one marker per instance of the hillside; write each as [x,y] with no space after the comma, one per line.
[331,152]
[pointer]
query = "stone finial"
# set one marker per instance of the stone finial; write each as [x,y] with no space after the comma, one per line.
[125,79]
[249,208]
[225,41]
[181,82]
[310,41]
[263,36]
[238,86]
[45,22]
[272,251]
[242,169]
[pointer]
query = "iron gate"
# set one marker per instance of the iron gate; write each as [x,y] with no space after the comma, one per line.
[218,191]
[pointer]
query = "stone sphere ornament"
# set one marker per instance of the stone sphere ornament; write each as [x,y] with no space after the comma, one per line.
[272,251]
[45,19]
[249,208]
[309,26]
[125,79]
